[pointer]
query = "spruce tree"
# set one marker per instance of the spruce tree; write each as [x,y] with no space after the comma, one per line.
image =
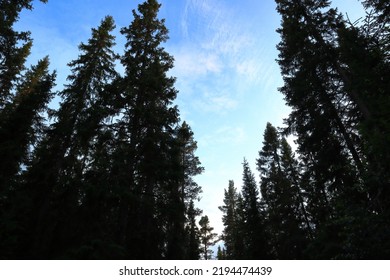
[364,50]
[64,155]
[207,238]
[182,190]
[334,81]
[281,197]
[146,137]
[291,171]
[32,96]
[20,131]
[192,246]
[255,244]
[221,253]
[233,222]
[381,9]
[14,48]
[15,80]
[24,95]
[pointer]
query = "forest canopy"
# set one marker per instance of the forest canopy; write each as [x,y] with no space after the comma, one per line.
[110,172]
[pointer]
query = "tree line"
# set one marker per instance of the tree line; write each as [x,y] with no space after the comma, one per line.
[109,174]
[330,200]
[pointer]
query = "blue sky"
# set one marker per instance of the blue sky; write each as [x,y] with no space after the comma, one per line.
[225,66]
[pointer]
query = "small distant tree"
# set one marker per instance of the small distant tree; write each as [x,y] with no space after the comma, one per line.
[221,253]
[207,237]
[232,234]
[192,231]
[252,221]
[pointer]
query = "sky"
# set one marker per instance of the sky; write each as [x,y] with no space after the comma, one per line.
[225,64]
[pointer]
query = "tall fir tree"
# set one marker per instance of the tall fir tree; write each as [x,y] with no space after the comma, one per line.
[14,48]
[183,189]
[281,198]
[63,156]
[20,131]
[24,95]
[291,171]
[31,98]
[149,184]
[333,80]
[364,50]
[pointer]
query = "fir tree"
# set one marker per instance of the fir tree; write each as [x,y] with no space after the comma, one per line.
[147,149]
[192,232]
[333,76]
[207,238]
[281,197]
[185,166]
[20,131]
[32,97]
[221,253]
[14,48]
[232,221]
[255,245]
[64,155]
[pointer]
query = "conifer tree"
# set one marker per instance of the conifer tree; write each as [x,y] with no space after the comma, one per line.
[283,205]
[334,82]
[24,95]
[255,244]
[232,221]
[185,166]
[381,9]
[22,122]
[192,232]
[364,50]
[207,237]
[147,148]
[64,155]
[14,48]
[221,253]
[20,131]
[291,171]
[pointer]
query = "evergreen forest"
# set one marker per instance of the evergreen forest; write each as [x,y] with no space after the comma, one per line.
[110,173]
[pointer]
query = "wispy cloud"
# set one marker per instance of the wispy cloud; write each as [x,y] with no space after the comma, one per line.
[196,63]
[214,27]
[219,58]
[227,135]
[219,104]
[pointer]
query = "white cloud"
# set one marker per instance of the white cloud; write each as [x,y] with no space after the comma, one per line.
[192,63]
[216,28]
[235,135]
[225,135]
[220,55]
[220,104]
[248,68]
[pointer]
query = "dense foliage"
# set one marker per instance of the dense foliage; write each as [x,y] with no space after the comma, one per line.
[111,174]
[331,201]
